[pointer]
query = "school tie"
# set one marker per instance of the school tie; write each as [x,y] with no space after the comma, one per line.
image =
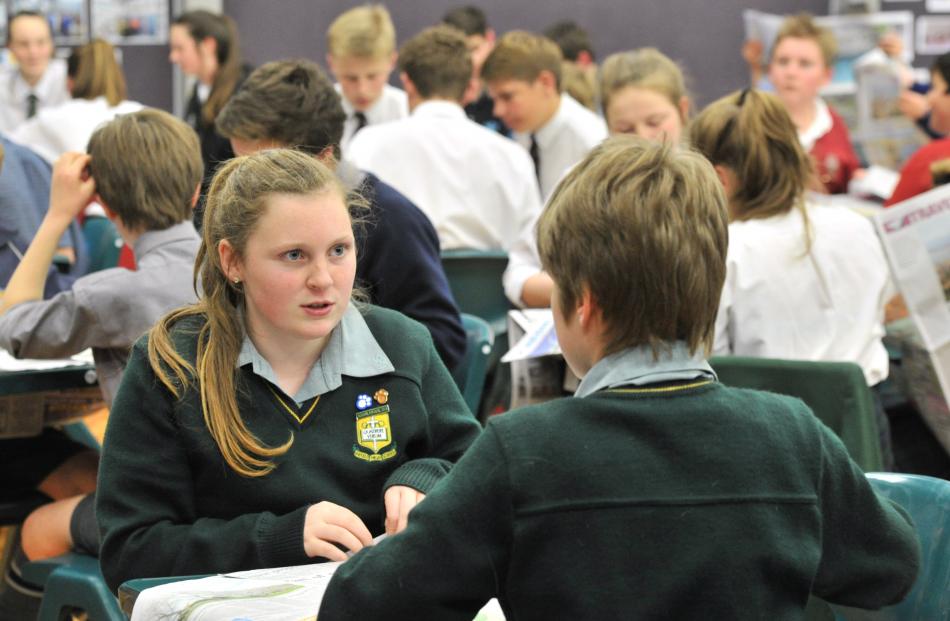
[31,101]
[360,121]
[536,158]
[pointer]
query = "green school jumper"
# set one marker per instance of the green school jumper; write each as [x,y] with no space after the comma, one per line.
[168,504]
[682,499]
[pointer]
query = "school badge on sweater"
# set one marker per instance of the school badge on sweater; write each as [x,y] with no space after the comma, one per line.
[373,433]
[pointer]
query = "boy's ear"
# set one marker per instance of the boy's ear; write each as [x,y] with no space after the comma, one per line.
[684,108]
[330,63]
[547,80]
[109,213]
[587,309]
[407,84]
[829,74]
[392,61]
[194,197]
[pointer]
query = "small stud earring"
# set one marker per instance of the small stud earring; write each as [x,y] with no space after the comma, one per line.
[237,280]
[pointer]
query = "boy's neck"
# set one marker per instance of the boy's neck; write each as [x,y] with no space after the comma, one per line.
[803,114]
[550,112]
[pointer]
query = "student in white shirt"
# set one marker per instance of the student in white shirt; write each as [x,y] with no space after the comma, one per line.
[643,93]
[98,89]
[523,74]
[362,55]
[477,187]
[37,80]
[803,282]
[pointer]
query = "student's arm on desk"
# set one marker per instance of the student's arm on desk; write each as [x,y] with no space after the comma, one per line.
[451,558]
[70,193]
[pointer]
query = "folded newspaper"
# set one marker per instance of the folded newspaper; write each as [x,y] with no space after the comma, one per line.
[280,594]
[916,237]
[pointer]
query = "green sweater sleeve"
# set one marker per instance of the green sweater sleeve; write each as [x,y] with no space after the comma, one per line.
[417,574]
[146,503]
[451,428]
[870,555]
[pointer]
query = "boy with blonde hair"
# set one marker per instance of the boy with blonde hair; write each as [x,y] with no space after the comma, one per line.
[568,509]
[802,62]
[362,54]
[144,169]
[523,74]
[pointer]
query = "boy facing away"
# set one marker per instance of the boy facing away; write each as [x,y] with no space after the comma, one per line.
[654,492]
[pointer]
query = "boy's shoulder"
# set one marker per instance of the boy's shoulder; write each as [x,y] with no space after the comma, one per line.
[753,409]
[582,123]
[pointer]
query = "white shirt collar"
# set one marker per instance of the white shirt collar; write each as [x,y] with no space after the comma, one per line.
[439,108]
[818,128]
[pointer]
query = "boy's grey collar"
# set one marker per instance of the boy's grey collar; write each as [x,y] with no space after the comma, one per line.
[635,366]
[149,240]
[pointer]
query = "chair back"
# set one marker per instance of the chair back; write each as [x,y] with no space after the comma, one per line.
[475,279]
[73,581]
[470,373]
[835,391]
[927,500]
[102,242]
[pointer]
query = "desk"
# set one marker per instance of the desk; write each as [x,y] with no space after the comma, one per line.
[296,603]
[31,398]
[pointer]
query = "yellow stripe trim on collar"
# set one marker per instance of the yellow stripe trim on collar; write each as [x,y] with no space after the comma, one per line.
[291,410]
[661,388]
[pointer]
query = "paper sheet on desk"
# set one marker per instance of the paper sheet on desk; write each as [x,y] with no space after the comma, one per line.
[280,594]
[9,363]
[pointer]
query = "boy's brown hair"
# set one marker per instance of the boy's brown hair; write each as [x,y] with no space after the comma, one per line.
[362,32]
[802,26]
[290,101]
[520,55]
[147,166]
[438,62]
[643,227]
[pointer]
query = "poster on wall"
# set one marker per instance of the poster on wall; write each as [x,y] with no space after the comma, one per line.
[933,34]
[68,19]
[131,22]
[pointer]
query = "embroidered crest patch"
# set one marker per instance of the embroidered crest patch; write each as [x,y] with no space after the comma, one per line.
[373,431]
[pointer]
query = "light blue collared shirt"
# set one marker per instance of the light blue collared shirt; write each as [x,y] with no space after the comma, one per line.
[351,350]
[635,366]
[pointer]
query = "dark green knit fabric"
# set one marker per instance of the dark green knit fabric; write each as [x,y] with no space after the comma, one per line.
[168,504]
[693,503]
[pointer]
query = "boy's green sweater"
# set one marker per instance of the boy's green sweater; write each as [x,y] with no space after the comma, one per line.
[689,501]
[168,504]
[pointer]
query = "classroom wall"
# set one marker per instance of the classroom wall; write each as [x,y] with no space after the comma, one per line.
[704,36]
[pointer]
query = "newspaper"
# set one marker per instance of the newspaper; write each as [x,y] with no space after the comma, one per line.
[886,137]
[281,594]
[538,371]
[916,237]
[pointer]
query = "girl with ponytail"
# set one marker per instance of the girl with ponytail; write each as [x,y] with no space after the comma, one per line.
[804,282]
[285,423]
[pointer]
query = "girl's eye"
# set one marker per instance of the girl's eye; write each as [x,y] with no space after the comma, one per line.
[294,255]
[339,250]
